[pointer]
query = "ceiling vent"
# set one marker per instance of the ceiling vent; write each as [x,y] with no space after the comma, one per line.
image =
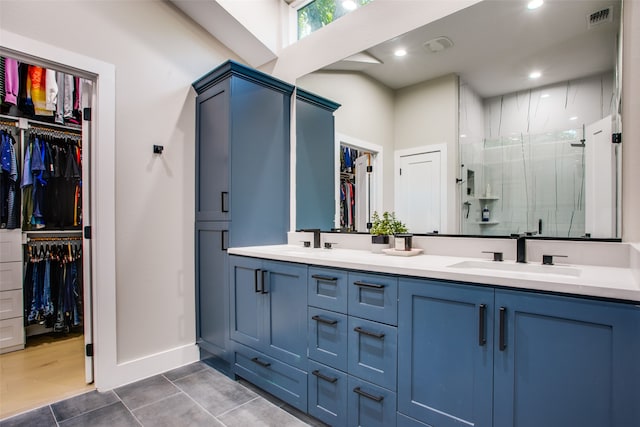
[438,44]
[600,17]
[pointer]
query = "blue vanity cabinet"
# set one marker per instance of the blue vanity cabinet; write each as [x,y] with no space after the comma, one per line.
[328,392]
[328,289]
[328,334]
[445,353]
[562,361]
[268,326]
[373,297]
[241,179]
[370,405]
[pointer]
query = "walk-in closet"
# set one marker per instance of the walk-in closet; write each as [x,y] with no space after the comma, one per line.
[355,195]
[45,302]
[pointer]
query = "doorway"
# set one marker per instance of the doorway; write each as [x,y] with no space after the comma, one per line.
[51,356]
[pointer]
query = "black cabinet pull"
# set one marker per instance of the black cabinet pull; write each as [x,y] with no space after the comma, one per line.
[482,314]
[224,240]
[322,376]
[368,285]
[323,320]
[255,280]
[324,278]
[359,330]
[263,288]
[503,314]
[367,395]
[260,362]
[224,197]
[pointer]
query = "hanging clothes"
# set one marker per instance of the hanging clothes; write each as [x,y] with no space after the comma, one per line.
[9,182]
[52,286]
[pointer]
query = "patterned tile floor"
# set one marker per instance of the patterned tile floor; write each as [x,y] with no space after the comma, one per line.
[194,395]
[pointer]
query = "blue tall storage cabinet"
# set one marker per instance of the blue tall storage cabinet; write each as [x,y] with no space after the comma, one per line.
[242,184]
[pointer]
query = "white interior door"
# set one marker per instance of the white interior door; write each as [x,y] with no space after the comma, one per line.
[419,190]
[600,182]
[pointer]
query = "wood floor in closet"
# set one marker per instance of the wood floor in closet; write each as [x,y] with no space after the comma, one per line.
[47,370]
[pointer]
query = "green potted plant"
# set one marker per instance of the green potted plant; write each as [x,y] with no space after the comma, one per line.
[382,227]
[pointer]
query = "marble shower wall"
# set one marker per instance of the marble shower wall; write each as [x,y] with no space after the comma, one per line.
[525,155]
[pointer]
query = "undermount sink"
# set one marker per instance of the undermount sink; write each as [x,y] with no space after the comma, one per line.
[518,267]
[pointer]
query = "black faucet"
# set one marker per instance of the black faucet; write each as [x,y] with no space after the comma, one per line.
[521,247]
[316,236]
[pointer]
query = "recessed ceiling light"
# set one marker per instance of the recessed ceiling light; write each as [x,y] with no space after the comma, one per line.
[535,75]
[349,5]
[534,4]
[545,95]
[573,118]
[400,52]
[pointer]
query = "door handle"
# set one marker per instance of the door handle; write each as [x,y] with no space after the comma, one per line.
[482,314]
[359,330]
[367,395]
[503,315]
[224,201]
[224,238]
[255,280]
[368,285]
[262,287]
[260,362]
[324,278]
[323,320]
[322,376]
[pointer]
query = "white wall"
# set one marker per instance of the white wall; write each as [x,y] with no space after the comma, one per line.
[427,113]
[157,53]
[366,113]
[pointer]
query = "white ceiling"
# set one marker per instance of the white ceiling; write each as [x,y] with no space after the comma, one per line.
[496,43]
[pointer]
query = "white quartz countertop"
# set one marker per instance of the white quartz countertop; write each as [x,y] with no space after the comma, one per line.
[595,281]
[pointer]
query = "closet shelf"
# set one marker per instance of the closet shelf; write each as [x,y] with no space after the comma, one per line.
[490,198]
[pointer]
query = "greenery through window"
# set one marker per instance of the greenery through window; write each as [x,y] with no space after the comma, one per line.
[319,13]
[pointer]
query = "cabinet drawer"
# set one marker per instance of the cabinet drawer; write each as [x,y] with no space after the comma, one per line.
[370,405]
[328,289]
[373,352]
[10,245]
[11,333]
[373,297]
[277,378]
[328,394]
[11,304]
[328,337]
[10,276]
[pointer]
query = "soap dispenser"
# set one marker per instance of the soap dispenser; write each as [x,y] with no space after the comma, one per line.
[485,214]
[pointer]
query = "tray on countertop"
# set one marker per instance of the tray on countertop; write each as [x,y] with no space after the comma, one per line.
[412,252]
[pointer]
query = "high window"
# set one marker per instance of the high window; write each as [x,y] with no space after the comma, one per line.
[318,13]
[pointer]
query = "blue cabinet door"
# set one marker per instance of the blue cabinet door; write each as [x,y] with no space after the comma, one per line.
[328,289]
[445,353]
[285,318]
[370,405]
[212,297]
[246,278]
[373,352]
[328,390]
[212,154]
[373,297]
[563,361]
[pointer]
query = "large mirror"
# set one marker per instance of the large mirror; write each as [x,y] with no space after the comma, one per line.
[461,136]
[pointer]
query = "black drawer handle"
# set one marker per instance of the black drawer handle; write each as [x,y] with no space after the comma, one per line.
[323,320]
[224,196]
[368,285]
[482,314]
[324,278]
[367,395]
[322,376]
[503,314]
[263,290]
[224,240]
[255,280]
[359,330]
[260,362]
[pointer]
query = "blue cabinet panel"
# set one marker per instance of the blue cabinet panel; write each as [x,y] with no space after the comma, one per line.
[445,360]
[247,301]
[565,362]
[315,160]
[328,390]
[374,297]
[212,154]
[260,175]
[328,289]
[370,405]
[328,337]
[373,351]
[286,312]
[212,298]
[281,380]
